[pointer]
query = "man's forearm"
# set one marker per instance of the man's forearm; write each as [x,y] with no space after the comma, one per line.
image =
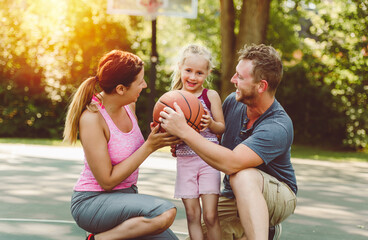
[213,154]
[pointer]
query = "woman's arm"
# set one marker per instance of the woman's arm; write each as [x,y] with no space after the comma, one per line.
[94,135]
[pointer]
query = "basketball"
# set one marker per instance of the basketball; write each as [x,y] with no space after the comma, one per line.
[188,103]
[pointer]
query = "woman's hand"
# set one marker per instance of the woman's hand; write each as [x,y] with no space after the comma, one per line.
[157,140]
[173,150]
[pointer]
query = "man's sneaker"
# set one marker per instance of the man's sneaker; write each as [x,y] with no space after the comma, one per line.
[275,232]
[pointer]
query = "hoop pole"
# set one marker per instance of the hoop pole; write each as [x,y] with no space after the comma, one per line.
[153,71]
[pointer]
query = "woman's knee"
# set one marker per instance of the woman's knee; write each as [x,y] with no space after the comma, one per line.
[171,214]
[162,222]
[165,220]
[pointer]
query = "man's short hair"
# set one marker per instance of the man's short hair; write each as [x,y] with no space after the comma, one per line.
[267,64]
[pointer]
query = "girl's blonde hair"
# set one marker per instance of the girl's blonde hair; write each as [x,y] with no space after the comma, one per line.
[115,68]
[189,50]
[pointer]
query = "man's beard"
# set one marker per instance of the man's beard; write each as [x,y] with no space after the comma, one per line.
[247,98]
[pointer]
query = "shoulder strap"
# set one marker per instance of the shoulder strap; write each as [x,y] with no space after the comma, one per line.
[205,98]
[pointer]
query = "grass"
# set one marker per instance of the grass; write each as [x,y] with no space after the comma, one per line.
[297,151]
[326,154]
[38,141]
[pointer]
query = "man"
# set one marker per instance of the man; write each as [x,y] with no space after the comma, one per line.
[260,185]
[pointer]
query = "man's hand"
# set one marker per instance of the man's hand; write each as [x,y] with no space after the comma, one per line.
[173,121]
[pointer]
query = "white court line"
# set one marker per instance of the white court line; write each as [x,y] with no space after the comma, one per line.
[34,220]
[53,221]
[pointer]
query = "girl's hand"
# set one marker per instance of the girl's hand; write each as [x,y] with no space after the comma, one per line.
[206,120]
[157,140]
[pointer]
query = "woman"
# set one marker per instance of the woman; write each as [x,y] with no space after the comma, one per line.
[105,201]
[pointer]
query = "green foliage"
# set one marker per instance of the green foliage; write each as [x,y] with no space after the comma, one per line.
[25,109]
[49,48]
[325,85]
[91,34]
[282,32]
[314,110]
[342,46]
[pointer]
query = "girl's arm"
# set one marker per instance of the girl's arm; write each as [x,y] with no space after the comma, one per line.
[94,135]
[217,123]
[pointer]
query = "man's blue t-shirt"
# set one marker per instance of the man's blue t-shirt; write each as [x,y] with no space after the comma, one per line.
[270,137]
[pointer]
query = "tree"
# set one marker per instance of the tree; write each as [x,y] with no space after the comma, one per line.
[26,111]
[48,48]
[341,44]
[242,22]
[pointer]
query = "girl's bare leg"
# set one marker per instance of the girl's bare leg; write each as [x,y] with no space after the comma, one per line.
[193,211]
[210,216]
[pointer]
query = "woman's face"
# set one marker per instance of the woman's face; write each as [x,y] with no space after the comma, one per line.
[137,86]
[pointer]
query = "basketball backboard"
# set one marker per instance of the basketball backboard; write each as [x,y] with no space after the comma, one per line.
[154,8]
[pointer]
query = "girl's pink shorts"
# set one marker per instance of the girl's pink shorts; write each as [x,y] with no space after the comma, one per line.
[195,177]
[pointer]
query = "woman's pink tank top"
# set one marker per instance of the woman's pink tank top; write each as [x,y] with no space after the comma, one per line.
[120,146]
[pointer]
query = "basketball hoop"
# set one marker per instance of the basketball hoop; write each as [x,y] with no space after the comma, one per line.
[152,7]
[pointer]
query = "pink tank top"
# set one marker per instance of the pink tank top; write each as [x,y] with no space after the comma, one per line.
[120,146]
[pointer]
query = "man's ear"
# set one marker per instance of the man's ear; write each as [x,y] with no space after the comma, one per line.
[263,86]
[120,89]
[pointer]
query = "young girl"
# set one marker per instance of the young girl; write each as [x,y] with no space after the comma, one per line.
[105,201]
[195,178]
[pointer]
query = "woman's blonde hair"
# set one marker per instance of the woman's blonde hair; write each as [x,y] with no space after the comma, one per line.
[187,51]
[115,68]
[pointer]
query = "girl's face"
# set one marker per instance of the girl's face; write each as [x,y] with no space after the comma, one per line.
[193,73]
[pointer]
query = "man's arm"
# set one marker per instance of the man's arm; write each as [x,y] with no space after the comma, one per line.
[219,157]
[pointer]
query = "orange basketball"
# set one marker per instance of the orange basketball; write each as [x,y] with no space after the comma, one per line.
[188,103]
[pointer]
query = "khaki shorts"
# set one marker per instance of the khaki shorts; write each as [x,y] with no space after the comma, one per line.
[280,199]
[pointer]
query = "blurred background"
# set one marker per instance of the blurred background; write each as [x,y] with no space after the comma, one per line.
[48,47]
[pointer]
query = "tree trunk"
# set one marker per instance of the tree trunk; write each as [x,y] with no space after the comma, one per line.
[253,21]
[228,40]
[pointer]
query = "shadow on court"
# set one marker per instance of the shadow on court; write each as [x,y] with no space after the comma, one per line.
[37,181]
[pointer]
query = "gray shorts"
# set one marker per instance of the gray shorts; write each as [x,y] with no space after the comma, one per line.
[98,212]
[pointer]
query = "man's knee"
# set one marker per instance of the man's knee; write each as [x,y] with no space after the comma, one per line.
[247,179]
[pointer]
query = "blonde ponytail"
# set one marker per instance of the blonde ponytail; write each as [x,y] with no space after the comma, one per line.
[80,102]
[176,83]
